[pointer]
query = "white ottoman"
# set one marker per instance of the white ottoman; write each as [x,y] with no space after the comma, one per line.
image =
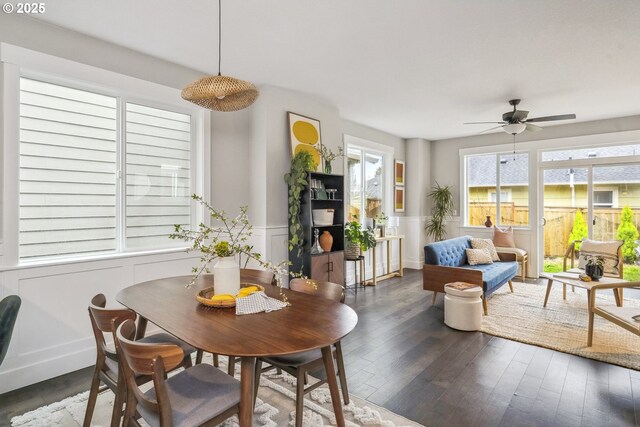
[463,306]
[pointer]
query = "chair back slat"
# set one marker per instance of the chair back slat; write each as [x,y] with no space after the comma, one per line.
[258,277]
[329,290]
[9,308]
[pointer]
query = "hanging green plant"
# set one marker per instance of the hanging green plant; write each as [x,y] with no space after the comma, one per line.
[296,180]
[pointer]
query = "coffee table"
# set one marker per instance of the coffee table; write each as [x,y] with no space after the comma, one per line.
[566,278]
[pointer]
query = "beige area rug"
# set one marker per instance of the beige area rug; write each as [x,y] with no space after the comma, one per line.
[562,325]
[275,407]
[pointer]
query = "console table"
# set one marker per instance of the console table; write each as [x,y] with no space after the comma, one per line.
[397,273]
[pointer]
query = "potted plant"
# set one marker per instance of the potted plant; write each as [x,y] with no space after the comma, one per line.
[380,221]
[328,156]
[594,267]
[358,240]
[296,180]
[442,208]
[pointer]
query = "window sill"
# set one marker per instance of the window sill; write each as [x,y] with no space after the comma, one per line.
[482,227]
[94,258]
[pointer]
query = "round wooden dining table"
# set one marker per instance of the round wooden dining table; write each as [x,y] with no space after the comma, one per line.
[310,322]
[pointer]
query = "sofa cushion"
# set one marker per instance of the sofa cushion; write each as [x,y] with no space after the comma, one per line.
[449,253]
[485,244]
[478,256]
[503,237]
[496,274]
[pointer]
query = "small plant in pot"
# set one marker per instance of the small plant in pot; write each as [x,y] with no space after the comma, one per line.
[357,239]
[594,267]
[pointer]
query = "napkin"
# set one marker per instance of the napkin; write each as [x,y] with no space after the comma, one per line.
[257,302]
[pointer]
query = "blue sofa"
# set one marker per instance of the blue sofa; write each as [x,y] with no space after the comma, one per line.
[446,262]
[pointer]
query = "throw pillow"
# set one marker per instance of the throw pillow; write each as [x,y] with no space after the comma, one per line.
[478,256]
[607,249]
[486,244]
[503,237]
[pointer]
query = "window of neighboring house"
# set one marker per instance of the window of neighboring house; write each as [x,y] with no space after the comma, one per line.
[366,179]
[497,185]
[603,198]
[84,188]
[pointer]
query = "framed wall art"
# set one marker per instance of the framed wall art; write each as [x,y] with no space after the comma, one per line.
[398,199]
[304,133]
[399,172]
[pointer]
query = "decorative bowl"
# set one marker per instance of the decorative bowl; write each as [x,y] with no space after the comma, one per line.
[322,217]
[204,297]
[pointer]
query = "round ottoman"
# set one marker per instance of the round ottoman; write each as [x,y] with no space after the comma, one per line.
[463,306]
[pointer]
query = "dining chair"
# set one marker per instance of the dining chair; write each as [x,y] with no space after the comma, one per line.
[257,277]
[9,308]
[300,364]
[200,395]
[107,368]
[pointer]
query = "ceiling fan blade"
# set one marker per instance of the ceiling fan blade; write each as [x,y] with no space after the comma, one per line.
[552,118]
[485,123]
[533,128]
[488,130]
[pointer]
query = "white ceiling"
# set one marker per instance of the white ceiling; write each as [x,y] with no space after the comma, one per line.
[413,68]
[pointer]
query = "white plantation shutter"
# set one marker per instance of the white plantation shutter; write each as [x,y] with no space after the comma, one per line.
[158,190]
[67,170]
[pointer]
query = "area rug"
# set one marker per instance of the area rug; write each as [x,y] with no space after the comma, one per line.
[562,325]
[275,407]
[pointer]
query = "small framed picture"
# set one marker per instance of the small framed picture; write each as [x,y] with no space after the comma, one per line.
[398,205]
[305,136]
[399,172]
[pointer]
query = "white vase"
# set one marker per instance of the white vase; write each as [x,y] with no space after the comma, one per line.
[226,276]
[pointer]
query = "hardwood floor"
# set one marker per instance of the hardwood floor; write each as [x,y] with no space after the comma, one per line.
[401,356]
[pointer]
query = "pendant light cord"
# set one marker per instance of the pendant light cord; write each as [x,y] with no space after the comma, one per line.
[219,34]
[514,147]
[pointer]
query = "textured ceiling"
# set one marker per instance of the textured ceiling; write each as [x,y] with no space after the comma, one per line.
[413,68]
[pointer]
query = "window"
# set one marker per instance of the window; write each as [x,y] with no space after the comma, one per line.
[72,201]
[603,198]
[497,186]
[366,174]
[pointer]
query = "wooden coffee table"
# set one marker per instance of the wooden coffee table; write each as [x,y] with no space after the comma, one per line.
[572,279]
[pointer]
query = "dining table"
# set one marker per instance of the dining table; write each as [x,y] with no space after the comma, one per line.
[308,323]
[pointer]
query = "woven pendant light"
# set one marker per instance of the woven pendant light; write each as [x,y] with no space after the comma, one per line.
[221,93]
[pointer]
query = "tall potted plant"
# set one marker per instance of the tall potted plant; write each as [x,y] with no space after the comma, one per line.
[442,208]
[358,240]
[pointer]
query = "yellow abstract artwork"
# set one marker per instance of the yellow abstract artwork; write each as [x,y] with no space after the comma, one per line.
[305,136]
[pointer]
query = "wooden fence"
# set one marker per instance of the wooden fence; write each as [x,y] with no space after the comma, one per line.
[559,222]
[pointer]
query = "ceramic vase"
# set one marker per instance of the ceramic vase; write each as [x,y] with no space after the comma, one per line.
[488,222]
[593,271]
[226,276]
[326,241]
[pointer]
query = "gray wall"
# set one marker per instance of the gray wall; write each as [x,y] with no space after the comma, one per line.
[445,157]
[375,135]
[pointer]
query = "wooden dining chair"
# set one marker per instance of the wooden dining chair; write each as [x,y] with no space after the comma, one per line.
[201,395]
[107,368]
[257,277]
[300,364]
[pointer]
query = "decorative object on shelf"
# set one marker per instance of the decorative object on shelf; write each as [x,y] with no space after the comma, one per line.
[399,172]
[442,208]
[380,221]
[296,180]
[358,239]
[594,267]
[398,205]
[225,238]
[305,137]
[326,241]
[328,156]
[392,226]
[322,217]
[331,193]
[221,93]
[488,222]
[316,248]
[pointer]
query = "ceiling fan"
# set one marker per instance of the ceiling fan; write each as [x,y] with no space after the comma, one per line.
[515,122]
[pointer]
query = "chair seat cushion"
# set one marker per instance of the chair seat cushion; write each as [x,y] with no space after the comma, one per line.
[496,274]
[197,395]
[296,359]
[519,252]
[163,337]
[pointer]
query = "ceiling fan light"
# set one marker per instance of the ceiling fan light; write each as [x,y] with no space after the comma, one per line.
[514,128]
[221,93]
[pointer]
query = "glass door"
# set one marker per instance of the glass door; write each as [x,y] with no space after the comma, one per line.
[565,215]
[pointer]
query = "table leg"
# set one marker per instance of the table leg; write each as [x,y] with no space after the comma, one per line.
[400,252]
[388,256]
[373,279]
[247,378]
[564,291]
[617,296]
[591,298]
[546,297]
[362,272]
[327,357]
[141,329]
